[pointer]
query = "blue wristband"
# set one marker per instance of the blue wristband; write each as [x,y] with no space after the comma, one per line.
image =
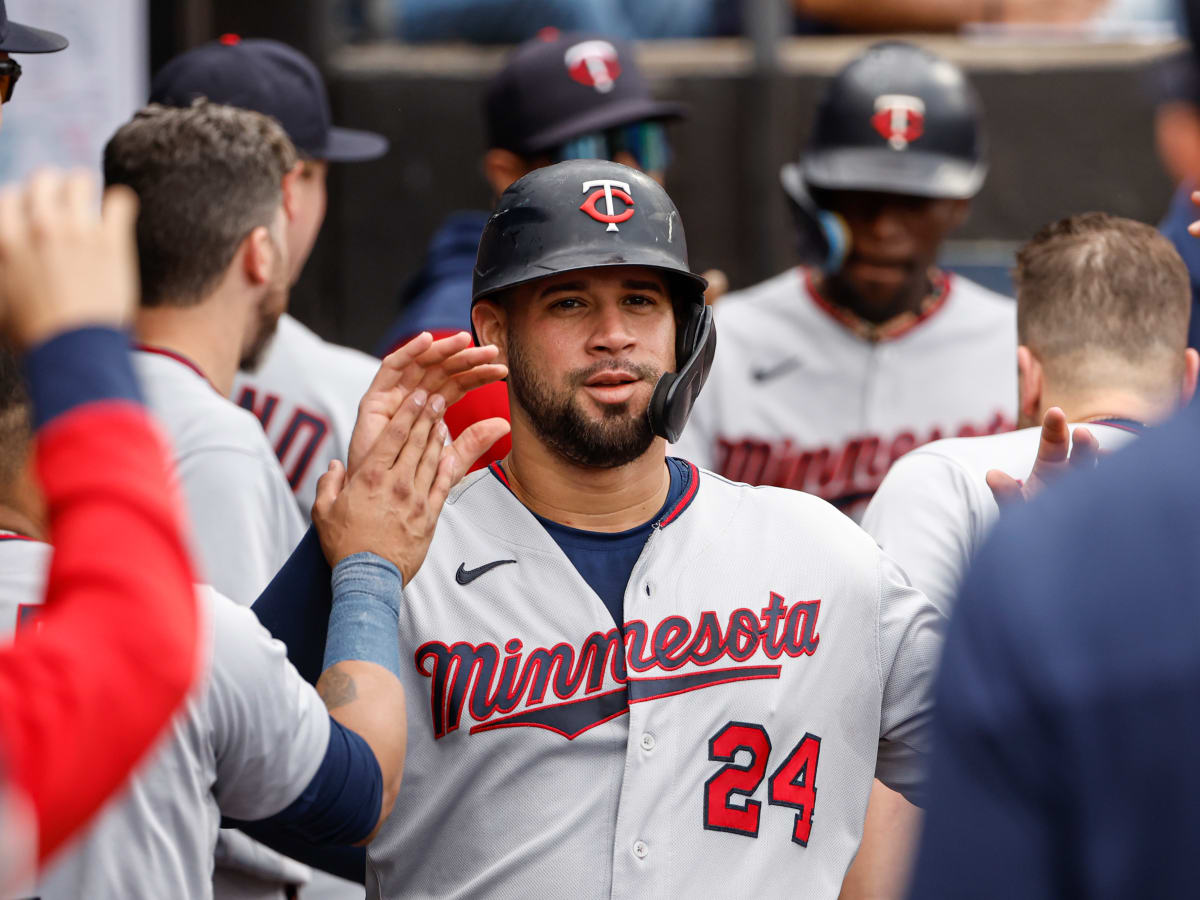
[365,620]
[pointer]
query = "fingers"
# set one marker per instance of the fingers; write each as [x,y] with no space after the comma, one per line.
[1055,443]
[1005,489]
[718,286]
[474,441]
[391,441]
[405,368]
[397,361]
[455,389]
[427,465]
[329,486]
[405,469]
[119,211]
[438,376]
[11,224]
[1085,451]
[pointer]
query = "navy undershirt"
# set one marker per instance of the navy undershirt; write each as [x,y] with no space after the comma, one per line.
[77,367]
[606,559]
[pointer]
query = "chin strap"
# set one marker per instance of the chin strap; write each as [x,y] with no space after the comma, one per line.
[676,392]
[824,237]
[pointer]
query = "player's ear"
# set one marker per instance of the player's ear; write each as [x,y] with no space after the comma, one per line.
[1191,371]
[291,202]
[258,255]
[490,320]
[1030,384]
[502,167]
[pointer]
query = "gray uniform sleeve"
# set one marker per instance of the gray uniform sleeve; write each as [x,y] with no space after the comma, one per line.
[270,729]
[244,519]
[922,518]
[910,635]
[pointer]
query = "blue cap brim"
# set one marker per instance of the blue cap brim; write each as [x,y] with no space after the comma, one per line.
[25,39]
[350,145]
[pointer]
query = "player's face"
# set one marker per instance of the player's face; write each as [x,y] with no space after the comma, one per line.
[272,301]
[309,201]
[896,239]
[584,351]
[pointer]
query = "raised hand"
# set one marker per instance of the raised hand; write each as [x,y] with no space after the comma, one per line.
[65,264]
[1059,452]
[390,503]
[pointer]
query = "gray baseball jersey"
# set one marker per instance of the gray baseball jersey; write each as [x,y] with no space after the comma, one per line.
[800,398]
[250,740]
[934,508]
[723,742]
[305,393]
[243,516]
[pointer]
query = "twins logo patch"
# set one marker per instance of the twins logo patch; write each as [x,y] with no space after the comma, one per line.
[899,119]
[595,64]
[608,190]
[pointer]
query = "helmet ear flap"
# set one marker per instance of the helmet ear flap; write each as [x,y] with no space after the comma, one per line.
[676,392]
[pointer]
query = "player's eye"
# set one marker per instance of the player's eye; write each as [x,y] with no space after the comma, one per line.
[567,303]
[641,300]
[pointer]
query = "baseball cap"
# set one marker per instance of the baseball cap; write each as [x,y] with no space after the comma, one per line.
[17,38]
[557,87]
[268,77]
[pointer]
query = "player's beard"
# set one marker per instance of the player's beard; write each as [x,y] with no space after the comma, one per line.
[620,437]
[264,330]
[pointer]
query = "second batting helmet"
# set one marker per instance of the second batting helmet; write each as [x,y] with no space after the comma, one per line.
[899,120]
[586,214]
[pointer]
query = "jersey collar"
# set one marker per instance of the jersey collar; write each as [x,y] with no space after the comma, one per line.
[668,516]
[178,357]
[1131,425]
[893,328]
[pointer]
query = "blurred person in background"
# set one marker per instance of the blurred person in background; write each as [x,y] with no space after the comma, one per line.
[1102,311]
[558,97]
[120,617]
[951,15]
[826,374]
[303,390]
[18,38]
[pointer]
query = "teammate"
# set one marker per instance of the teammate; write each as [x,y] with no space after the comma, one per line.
[214,267]
[120,581]
[18,38]
[304,390]
[827,375]
[638,678]
[1102,310]
[557,97]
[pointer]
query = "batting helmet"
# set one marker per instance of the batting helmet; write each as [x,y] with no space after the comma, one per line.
[900,120]
[586,214]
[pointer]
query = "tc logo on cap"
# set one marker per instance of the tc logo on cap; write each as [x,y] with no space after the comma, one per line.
[899,119]
[595,64]
[608,190]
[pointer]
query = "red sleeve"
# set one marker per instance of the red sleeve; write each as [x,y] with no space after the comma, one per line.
[84,695]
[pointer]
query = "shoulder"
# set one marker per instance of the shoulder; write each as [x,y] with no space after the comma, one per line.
[306,350]
[782,291]
[967,297]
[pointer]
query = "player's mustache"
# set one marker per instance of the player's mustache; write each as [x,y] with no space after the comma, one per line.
[641,371]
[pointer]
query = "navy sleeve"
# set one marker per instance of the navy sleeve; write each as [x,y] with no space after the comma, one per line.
[342,802]
[79,367]
[295,606]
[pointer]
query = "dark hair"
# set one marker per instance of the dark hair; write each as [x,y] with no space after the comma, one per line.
[206,176]
[1100,282]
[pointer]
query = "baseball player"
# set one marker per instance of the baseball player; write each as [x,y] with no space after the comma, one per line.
[828,374]
[635,678]
[215,276]
[120,581]
[558,96]
[18,38]
[1102,308]
[304,390]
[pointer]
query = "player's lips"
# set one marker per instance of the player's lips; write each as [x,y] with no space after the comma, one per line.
[612,386]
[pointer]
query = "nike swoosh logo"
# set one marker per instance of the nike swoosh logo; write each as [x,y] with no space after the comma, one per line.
[780,368]
[466,576]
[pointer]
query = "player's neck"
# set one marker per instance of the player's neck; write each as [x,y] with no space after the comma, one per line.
[1113,404]
[205,333]
[21,522]
[606,500]
[909,301]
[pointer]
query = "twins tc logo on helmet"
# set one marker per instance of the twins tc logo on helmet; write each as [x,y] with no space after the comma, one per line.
[595,64]
[899,119]
[608,190]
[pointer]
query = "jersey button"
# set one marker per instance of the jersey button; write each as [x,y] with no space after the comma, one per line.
[641,849]
[648,742]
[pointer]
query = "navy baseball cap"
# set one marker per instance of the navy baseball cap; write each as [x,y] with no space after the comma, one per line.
[556,87]
[17,38]
[271,78]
